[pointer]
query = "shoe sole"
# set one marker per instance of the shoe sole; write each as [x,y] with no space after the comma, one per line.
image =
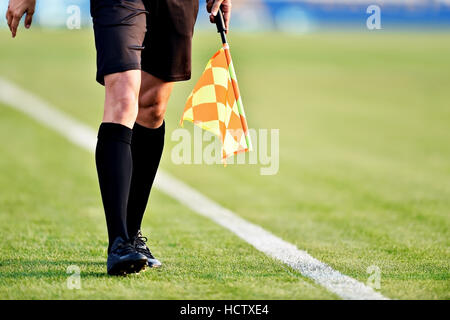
[154,266]
[128,267]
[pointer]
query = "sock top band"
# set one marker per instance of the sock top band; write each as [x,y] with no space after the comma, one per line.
[115,131]
[141,130]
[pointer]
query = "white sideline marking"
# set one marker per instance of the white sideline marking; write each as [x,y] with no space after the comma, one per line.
[83,136]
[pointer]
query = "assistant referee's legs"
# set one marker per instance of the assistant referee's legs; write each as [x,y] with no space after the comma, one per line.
[129,147]
[113,153]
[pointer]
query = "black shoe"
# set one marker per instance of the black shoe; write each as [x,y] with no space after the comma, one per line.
[141,247]
[124,259]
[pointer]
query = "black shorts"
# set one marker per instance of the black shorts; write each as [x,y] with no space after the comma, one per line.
[151,35]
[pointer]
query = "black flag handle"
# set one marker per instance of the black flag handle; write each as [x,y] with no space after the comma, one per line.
[220,23]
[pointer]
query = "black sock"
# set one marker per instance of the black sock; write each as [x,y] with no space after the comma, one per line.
[146,147]
[114,168]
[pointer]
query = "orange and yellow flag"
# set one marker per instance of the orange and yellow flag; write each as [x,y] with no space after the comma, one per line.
[215,105]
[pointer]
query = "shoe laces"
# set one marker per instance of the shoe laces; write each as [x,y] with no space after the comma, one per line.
[124,248]
[140,243]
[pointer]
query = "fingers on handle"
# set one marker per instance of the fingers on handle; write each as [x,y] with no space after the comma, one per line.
[209,5]
[215,7]
[226,18]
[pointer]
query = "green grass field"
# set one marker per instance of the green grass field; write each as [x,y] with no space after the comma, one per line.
[364,173]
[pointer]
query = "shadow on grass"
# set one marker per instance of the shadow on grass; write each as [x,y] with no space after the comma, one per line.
[20,268]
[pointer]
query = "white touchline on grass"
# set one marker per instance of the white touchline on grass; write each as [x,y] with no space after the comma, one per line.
[264,241]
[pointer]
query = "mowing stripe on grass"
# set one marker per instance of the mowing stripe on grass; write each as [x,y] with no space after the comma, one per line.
[264,241]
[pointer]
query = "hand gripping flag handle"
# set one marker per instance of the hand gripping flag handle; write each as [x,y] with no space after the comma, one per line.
[220,23]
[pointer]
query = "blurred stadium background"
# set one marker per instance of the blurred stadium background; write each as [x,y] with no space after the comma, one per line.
[296,16]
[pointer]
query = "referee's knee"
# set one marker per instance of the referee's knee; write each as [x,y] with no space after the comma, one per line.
[152,115]
[121,102]
[153,105]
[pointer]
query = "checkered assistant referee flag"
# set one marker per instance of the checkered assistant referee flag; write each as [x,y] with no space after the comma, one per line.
[215,104]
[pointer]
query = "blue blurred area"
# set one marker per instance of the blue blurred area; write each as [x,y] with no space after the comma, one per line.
[297,16]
